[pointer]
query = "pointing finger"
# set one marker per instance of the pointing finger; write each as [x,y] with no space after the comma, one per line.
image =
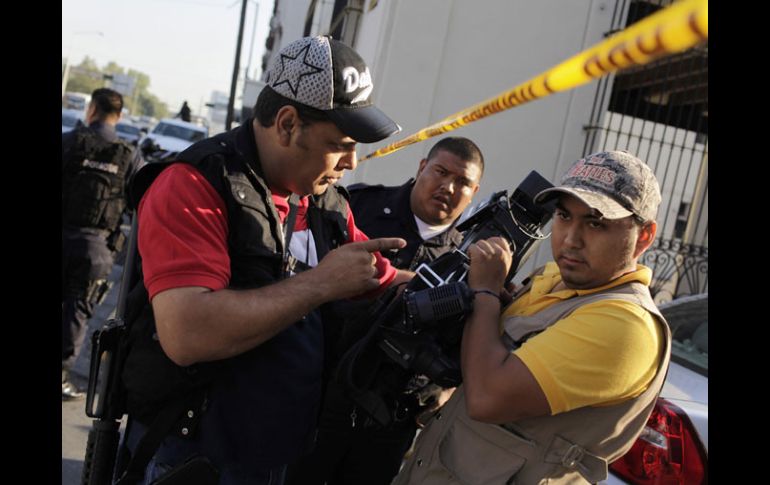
[382,244]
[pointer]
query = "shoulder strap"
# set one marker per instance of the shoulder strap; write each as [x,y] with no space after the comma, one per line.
[527,282]
[142,180]
[221,143]
[192,155]
[288,259]
[518,329]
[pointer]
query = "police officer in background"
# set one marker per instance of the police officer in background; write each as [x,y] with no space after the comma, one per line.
[351,448]
[95,167]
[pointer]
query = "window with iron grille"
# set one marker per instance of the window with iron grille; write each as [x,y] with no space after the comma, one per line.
[659,112]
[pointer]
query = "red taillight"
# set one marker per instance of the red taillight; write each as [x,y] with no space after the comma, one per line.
[667,452]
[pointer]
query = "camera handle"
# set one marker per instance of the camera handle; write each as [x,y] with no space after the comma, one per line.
[432,279]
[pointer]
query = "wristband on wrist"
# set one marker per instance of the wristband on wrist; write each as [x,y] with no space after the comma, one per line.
[488,292]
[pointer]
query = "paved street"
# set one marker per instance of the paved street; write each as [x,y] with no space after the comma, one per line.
[75,423]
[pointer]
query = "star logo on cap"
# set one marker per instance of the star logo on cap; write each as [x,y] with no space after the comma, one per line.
[294,68]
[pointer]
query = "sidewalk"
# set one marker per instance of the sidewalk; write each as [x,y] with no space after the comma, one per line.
[75,423]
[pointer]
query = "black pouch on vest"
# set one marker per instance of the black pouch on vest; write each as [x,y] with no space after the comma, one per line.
[196,471]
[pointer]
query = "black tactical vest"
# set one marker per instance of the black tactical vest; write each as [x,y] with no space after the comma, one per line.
[93,179]
[263,403]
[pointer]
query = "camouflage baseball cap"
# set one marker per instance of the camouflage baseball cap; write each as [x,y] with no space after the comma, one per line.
[615,183]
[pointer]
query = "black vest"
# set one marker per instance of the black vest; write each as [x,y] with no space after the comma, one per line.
[262,405]
[93,180]
[382,211]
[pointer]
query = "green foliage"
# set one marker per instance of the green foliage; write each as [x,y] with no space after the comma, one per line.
[149,104]
[87,76]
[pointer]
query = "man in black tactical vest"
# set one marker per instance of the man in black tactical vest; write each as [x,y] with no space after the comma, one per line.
[351,447]
[240,244]
[96,165]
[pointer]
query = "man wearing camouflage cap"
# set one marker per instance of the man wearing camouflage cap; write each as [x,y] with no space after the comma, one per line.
[561,381]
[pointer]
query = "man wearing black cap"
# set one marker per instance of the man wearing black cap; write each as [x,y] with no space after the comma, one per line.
[240,244]
[569,385]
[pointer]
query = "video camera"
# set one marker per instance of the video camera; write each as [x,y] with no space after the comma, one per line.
[419,331]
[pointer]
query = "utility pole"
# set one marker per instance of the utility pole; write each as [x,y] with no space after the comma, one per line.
[135,98]
[253,34]
[236,68]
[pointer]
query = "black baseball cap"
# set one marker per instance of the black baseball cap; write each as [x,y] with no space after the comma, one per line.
[327,75]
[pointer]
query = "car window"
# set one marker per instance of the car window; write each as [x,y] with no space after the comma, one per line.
[688,319]
[69,120]
[180,132]
[132,130]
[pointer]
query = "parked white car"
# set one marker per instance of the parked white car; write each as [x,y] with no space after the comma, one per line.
[128,132]
[175,135]
[673,448]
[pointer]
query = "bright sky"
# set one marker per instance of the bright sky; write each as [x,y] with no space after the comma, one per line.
[187,47]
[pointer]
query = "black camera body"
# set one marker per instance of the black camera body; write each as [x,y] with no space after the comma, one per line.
[421,329]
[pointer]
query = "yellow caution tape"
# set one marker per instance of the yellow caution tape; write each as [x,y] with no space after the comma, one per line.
[676,28]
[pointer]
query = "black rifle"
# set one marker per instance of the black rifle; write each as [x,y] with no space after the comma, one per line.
[105,400]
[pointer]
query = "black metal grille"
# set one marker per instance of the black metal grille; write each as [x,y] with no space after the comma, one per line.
[659,112]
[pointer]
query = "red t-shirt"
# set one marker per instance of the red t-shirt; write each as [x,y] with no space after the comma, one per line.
[183,236]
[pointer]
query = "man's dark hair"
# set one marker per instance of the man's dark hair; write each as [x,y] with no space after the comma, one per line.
[106,101]
[269,102]
[460,146]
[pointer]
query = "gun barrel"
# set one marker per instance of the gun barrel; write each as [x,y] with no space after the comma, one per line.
[101,449]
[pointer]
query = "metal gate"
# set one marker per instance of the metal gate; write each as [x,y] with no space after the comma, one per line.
[659,112]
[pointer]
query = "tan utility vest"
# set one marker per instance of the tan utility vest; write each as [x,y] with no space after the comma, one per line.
[566,448]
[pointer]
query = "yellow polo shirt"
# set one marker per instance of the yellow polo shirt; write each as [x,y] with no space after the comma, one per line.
[601,354]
